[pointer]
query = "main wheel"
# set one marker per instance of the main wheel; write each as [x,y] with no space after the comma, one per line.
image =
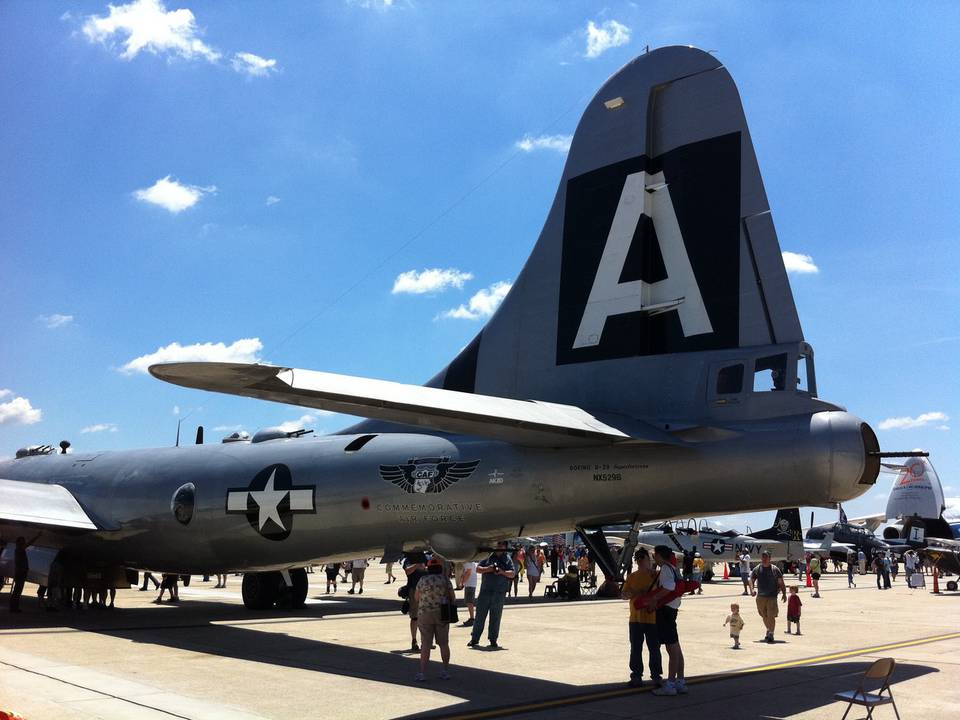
[952,585]
[260,590]
[298,593]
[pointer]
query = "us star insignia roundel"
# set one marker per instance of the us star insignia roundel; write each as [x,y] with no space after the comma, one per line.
[717,546]
[427,475]
[270,501]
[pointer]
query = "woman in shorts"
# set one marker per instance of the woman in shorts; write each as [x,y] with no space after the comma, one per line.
[433,590]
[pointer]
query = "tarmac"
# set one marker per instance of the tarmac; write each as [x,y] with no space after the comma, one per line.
[347,656]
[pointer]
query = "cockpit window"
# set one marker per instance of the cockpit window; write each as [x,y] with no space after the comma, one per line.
[770,373]
[730,380]
[182,503]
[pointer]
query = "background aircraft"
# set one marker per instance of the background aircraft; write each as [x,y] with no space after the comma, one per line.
[648,358]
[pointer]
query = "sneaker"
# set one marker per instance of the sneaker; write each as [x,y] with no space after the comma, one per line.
[444,675]
[468,622]
[638,683]
[769,639]
[473,643]
[419,677]
[799,633]
[681,687]
[350,592]
[787,632]
[361,591]
[493,645]
[668,688]
[414,648]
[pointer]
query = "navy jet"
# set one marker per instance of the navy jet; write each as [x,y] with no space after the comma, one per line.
[648,363]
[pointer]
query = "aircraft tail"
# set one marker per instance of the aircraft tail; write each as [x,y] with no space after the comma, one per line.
[786,526]
[916,499]
[659,249]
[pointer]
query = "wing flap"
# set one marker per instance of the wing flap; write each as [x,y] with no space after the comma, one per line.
[42,504]
[523,422]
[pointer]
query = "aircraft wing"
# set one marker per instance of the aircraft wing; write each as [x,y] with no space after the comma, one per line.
[523,422]
[870,522]
[41,504]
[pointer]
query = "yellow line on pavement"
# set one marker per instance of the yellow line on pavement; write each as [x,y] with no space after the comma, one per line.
[506,711]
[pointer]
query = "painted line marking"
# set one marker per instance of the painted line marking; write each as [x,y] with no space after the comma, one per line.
[506,711]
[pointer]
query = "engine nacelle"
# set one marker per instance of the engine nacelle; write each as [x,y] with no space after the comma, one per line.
[458,549]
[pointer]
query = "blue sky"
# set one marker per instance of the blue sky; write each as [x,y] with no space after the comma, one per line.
[262,175]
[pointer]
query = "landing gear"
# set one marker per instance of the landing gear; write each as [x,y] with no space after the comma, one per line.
[260,590]
[264,590]
[952,585]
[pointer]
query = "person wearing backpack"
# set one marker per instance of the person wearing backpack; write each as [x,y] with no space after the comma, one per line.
[643,622]
[768,581]
[666,601]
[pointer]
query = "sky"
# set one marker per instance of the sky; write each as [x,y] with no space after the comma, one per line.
[353,186]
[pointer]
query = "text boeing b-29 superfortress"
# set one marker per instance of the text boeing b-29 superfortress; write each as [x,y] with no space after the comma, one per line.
[616,383]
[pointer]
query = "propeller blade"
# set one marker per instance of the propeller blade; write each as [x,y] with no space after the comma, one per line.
[199,434]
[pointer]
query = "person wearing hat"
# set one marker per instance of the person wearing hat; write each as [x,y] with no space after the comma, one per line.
[766,581]
[497,573]
[698,571]
[433,590]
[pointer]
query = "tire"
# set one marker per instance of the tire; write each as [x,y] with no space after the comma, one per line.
[298,593]
[951,585]
[260,590]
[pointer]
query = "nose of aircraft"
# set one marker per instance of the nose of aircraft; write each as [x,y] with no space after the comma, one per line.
[854,462]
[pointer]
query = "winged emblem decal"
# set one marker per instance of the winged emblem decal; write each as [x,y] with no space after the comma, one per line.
[427,475]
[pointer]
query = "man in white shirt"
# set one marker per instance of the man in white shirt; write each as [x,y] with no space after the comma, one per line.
[745,572]
[468,581]
[667,579]
[359,569]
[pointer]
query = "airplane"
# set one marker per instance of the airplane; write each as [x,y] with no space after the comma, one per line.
[914,514]
[784,540]
[648,359]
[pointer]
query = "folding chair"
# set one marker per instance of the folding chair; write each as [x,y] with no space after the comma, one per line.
[880,670]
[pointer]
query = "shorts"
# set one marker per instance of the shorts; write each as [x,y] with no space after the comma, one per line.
[332,573]
[358,574]
[469,593]
[431,627]
[815,576]
[767,606]
[414,605]
[667,626]
[793,618]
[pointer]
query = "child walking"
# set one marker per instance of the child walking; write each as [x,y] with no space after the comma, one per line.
[793,609]
[736,625]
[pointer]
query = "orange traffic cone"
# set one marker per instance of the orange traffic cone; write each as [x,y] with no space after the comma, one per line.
[726,571]
[809,581]
[936,585]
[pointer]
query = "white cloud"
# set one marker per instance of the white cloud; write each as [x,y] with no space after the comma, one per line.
[944,428]
[272,199]
[482,305]
[147,25]
[253,65]
[4,392]
[228,428]
[606,35]
[908,423]
[56,320]
[172,195]
[176,409]
[18,410]
[302,423]
[429,281]
[374,4]
[799,263]
[560,143]
[100,427]
[245,350]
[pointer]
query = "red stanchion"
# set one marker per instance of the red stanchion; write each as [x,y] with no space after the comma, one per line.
[809,581]
[936,585]
[726,571]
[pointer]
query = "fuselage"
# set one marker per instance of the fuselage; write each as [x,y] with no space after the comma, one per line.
[289,502]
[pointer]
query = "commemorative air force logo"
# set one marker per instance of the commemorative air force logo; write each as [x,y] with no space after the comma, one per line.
[270,502]
[427,475]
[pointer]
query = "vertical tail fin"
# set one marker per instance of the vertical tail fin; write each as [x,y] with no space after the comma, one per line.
[786,526]
[916,492]
[659,247]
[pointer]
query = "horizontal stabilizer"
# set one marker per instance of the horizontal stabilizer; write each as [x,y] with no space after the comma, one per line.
[41,504]
[523,422]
